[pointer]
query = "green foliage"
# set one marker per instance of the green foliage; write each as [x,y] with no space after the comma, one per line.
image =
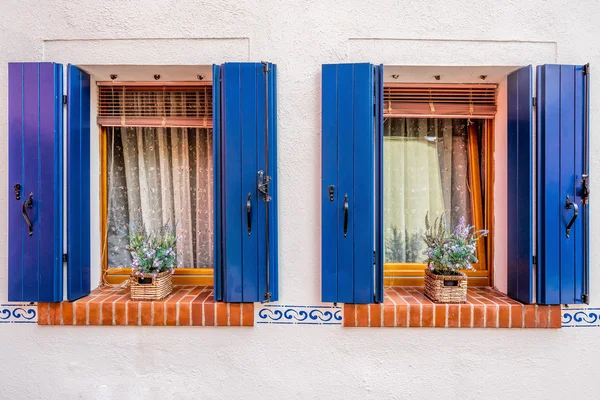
[448,252]
[397,250]
[152,252]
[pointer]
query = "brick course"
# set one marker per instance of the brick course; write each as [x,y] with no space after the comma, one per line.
[485,308]
[185,306]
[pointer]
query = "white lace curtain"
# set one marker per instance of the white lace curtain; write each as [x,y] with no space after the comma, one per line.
[163,176]
[425,171]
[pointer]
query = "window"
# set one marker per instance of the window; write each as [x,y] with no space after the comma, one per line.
[195,154]
[158,171]
[434,167]
[391,154]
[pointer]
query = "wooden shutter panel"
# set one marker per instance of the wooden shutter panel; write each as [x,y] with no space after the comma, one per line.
[520,185]
[78,183]
[348,160]
[249,252]
[562,111]
[36,164]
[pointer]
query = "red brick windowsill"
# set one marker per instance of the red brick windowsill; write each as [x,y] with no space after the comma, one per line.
[185,306]
[485,308]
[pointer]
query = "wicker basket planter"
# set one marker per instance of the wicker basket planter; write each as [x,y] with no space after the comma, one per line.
[446,289]
[150,288]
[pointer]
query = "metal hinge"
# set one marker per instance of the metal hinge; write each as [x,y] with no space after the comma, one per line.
[534,260]
[585,298]
[265,67]
[65,258]
[64,99]
[586,69]
[263,185]
[534,101]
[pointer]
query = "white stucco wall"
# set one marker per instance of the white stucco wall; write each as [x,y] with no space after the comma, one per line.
[276,361]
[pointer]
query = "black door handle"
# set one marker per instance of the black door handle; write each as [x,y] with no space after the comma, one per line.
[249,213]
[28,204]
[575,208]
[345,215]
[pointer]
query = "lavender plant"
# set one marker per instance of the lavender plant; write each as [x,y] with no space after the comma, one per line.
[152,252]
[447,251]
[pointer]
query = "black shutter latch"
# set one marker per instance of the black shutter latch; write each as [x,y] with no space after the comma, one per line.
[65,258]
[64,99]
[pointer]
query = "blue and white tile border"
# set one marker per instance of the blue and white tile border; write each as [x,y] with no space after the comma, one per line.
[581,317]
[18,313]
[26,313]
[299,315]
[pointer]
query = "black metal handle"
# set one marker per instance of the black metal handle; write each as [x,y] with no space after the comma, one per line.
[28,204]
[575,208]
[345,215]
[249,213]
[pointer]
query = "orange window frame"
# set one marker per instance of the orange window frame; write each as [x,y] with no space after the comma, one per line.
[412,274]
[181,276]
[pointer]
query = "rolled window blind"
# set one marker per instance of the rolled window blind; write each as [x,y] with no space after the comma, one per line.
[440,101]
[155,106]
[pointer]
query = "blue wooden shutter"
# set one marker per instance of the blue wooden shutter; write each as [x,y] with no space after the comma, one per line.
[248,115]
[562,162]
[348,182]
[520,185]
[216,93]
[36,164]
[78,183]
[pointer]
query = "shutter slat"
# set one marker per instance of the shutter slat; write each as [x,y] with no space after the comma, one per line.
[362,212]
[379,242]
[345,182]
[78,184]
[249,169]
[260,205]
[32,146]
[274,189]
[329,208]
[217,176]
[16,227]
[232,180]
[35,162]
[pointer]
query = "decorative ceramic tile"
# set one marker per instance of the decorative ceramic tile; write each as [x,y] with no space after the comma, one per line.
[299,315]
[18,313]
[581,317]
